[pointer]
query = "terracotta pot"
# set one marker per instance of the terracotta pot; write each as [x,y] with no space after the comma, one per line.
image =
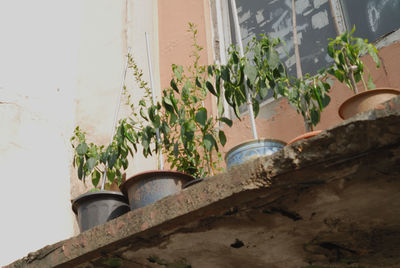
[252,149]
[305,136]
[365,101]
[148,187]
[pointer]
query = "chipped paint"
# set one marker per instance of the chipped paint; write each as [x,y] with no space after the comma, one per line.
[318,3]
[302,5]
[320,20]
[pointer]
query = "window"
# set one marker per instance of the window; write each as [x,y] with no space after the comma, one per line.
[373,18]
[314,27]
[317,21]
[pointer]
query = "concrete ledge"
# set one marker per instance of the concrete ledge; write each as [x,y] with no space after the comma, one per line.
[331,201]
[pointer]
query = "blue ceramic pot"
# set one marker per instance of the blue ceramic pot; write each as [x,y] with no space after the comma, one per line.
[148,187]
[252,149]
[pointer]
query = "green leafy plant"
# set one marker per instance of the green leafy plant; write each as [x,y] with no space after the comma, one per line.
[309,96]
[145,117]
[261,70]
[92,160]
[189,133]
[346,51]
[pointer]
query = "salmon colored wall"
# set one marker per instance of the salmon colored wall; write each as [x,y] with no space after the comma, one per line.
[282,121]
[277,120]
[174,40]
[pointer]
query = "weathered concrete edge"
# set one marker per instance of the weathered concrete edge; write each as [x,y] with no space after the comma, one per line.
[330,145]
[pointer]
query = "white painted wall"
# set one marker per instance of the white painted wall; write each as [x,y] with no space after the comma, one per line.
[60,65]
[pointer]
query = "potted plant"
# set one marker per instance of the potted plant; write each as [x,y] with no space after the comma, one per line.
[181,129]
[190,133]
[309,96]
[97,161]
[246,80]
[346,51]
[147,187]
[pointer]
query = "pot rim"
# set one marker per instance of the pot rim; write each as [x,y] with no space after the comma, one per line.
[306,135]
[89,195]
[145,174]
[367,92]
[250,142]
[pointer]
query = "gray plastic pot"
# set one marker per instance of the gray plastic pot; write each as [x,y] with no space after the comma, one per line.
[95,208]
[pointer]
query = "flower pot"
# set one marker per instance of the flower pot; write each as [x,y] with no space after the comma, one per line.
[366,100]
[305,136]
[252,149]
[95,208]
[148,187]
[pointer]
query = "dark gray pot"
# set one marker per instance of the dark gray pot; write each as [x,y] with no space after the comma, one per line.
[95,208]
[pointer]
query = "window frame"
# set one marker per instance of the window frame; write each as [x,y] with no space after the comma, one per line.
[224,36]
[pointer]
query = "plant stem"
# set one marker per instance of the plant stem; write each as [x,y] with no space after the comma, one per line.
[211,164]
[116,112]
[160,162]
[241,53]
[350,75]
[299,71]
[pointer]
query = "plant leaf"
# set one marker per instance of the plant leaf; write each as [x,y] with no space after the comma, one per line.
[222,137]
[201,116]
[370,84]
[226,121]
[96,177]
[91,163]
[210,88]
[82,149]
[209,142]
[174,86]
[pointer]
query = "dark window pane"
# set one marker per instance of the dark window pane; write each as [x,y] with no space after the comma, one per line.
[274,18]
[372,18]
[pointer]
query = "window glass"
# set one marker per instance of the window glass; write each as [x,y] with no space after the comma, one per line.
[274,18]
[372,18]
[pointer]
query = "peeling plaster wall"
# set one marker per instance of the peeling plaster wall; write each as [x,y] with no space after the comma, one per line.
[61,65]
[37,87]
[107,30]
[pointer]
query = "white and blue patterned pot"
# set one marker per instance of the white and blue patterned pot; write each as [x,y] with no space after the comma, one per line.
[252,149]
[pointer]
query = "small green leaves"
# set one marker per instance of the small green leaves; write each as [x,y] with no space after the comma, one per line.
[346,52]
[210,87]
[96,177]
[82,149]
[93,160]
[209,142]
[370,84]
[201,116]
[174,86]
[226,121]
[222,137]
[91,163]
[251,73]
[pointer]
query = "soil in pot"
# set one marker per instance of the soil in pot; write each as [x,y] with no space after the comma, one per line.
[148,187]
[95,208]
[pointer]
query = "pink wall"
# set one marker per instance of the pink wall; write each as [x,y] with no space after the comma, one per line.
[281,121]
[174,40]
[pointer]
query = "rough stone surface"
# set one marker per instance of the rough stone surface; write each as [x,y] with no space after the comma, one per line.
[330,201]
